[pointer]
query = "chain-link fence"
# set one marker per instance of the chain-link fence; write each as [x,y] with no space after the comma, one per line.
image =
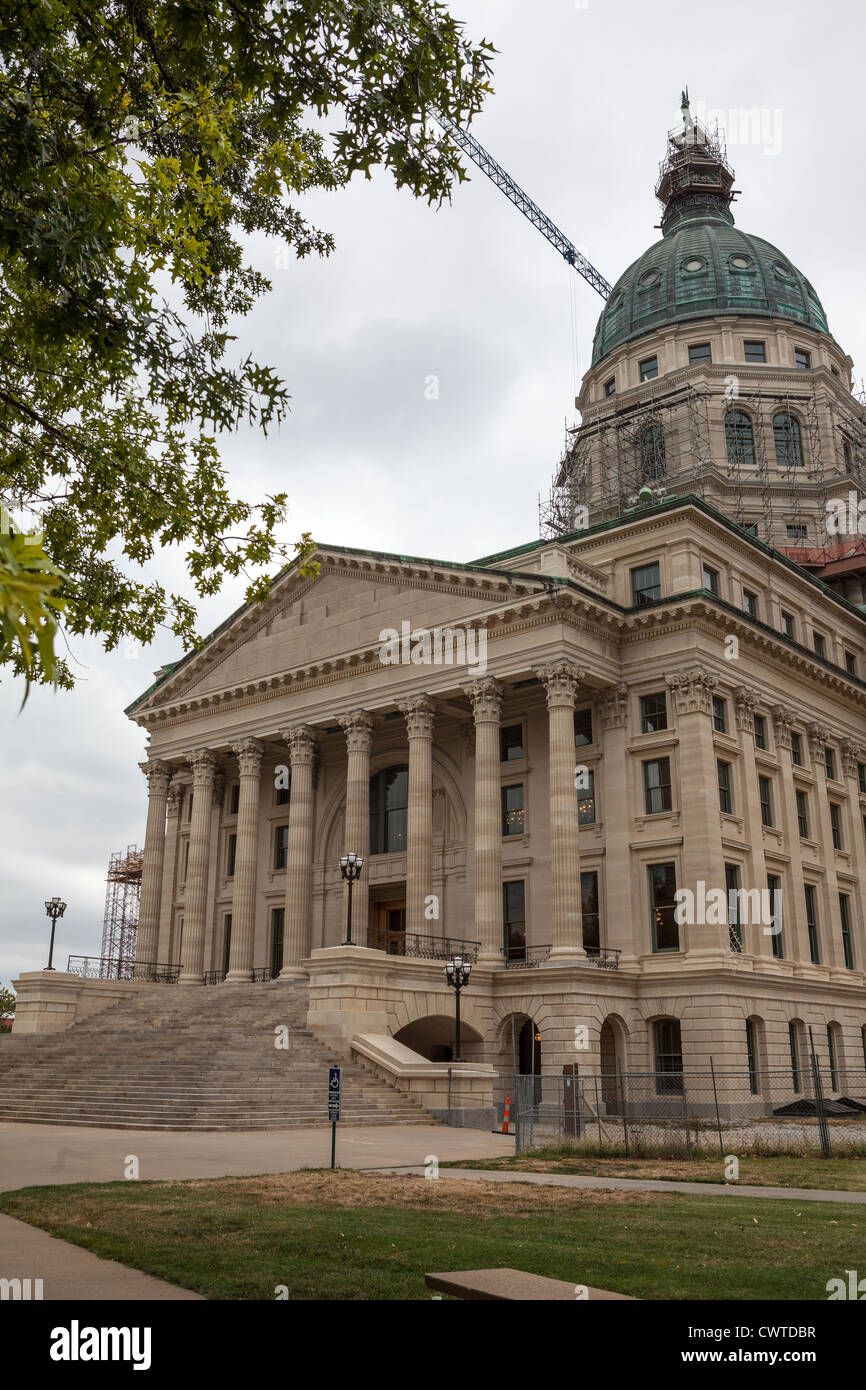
[681,1113]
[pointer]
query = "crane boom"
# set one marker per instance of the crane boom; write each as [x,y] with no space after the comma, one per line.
[515,194]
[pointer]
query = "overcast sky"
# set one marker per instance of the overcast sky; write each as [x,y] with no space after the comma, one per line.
[585,91]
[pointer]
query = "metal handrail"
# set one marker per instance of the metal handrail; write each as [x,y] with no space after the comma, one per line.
[122,968]
[420,947]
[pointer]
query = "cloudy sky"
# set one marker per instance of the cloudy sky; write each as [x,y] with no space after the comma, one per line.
[585,91]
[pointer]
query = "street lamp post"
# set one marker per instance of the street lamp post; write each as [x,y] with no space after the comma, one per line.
[351,865]
[55,908]
[457,973]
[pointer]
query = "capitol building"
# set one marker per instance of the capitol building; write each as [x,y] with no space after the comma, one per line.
[621,769]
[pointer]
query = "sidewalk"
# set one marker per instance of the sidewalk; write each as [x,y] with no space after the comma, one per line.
[68,1272]
[693,1189]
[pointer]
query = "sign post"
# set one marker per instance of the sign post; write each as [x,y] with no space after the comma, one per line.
[335,1085]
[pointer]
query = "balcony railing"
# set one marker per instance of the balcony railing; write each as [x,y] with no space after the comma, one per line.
[398,943]
[122,968]
[525,957]
[605,957]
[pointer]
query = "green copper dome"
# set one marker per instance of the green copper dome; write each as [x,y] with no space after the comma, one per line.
[703,266]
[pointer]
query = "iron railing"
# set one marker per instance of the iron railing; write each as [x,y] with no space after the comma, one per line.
[525,957]
[214,977]
[419,947]
[605,957]
[122,968]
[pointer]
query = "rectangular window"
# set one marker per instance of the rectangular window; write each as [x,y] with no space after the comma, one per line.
[662,890]
[803,815]
[512,810]
[735,926]
[278,930]
[282,795]
[752,1054]
[582,727]
[861,777]
[766,796]
[589,915]
[812,924]
[720,723]
[788,625]
[646,585]
[830,763]
[186,859]
[774,887]
[724,774]
[750,603]
[851,663]
[234,798]
[514,919]
[668,1049]
[796,532]
[834,1060]
[610,387]
[802,358]
[653,713]
[819,643]
[657,786]
[845,914]
[751,527]
[700,352]
[711,580]
[797,749]
[231,853]
[586,800]
[189,805]
[227,941]
[511,743]
[836,825]
[281,846]
[794,1049]
[760,727]
[649,368]
[755,351]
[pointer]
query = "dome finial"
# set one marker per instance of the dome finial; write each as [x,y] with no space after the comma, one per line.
[688,123]
[695,179]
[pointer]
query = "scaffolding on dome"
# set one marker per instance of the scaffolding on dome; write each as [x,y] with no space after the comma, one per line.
[122,898]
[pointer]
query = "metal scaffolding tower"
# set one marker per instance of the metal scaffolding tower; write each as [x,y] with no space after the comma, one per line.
[120,925]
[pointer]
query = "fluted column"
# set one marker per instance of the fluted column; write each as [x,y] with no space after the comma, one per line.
[299,864]
[147,937]
[702,854]
[756,939]
[851,755]
[166,948]
[794,931]
[486,697]
[358,727]
[561,681]
[203,764]
[249,755]
[419,714]
[830,925]
[620,918]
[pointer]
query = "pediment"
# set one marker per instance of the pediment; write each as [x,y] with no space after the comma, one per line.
[332,617]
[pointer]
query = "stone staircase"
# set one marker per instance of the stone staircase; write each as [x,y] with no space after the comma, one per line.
[180,1057]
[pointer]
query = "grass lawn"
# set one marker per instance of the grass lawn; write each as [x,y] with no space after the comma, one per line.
[346,1235]
[784,1170]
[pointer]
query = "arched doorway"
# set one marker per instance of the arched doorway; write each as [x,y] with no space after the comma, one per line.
[433,1037]
[612,1061]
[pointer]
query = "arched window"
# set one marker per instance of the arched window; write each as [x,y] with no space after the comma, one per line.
[739,438]
[788,440]
[389,803]
[651,445]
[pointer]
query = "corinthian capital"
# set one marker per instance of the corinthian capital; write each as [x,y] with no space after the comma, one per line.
[420,713]
[562,680]
[203,762]
[486,697]
[692,690]
[613,707]
[818,740]
[158,775]
[358,728]
[249,755]
[745,703]
[302,745]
